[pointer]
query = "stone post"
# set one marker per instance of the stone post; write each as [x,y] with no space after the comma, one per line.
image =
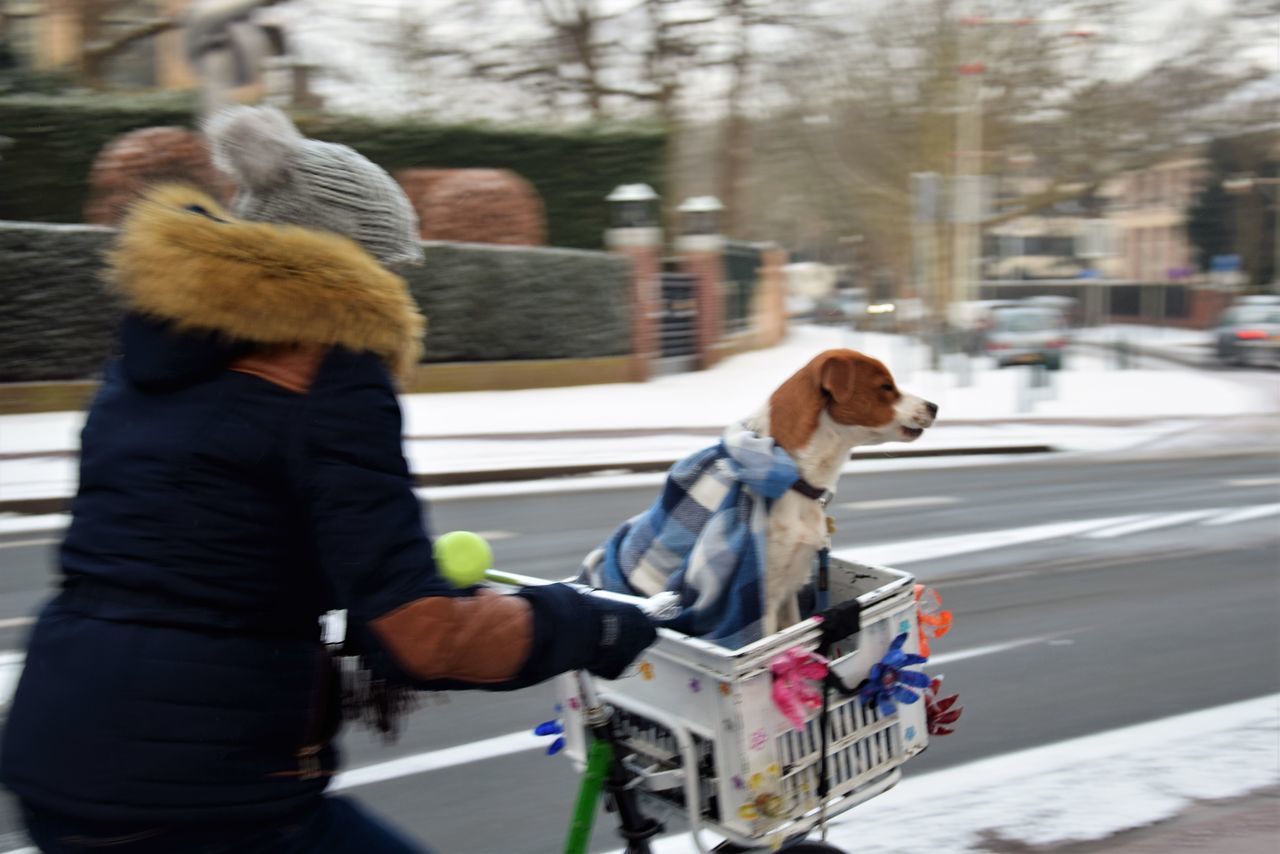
[633,215]
[700,248]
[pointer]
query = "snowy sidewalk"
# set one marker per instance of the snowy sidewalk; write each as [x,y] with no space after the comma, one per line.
[492,434]
[1076,796]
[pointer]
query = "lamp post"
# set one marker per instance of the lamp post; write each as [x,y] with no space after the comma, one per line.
[967,185]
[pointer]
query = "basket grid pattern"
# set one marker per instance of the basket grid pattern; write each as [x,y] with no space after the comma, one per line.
[862,744]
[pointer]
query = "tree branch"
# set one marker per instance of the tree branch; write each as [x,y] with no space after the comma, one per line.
[106,48]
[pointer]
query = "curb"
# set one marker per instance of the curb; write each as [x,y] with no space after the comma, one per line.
[59,504]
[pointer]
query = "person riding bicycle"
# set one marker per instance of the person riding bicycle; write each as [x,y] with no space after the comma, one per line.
[241,474]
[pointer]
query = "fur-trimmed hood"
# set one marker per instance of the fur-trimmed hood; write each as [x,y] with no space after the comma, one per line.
[183,259]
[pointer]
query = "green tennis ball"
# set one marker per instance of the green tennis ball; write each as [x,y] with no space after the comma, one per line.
[463,557]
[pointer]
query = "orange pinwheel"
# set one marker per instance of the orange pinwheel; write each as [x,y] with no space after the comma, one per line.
[934,622]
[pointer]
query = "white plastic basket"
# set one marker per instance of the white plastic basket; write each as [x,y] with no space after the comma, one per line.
[690,704]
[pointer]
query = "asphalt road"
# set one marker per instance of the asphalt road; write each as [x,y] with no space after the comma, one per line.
[1064,627]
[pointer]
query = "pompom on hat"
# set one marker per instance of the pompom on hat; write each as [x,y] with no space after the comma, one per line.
[286,178]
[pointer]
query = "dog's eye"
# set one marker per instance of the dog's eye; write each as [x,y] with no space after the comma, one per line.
[887,387]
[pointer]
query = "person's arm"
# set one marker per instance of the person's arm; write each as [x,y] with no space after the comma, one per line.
[368,533]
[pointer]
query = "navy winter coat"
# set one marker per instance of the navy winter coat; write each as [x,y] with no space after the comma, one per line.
[241,474]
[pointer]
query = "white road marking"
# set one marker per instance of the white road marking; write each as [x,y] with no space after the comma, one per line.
[930,548]
[21,523]
[1244,514]
[518,742]
[10,670]
[1253,481]
[434,760]
[992,649]
[497,535]
[17,544]
[913,551]
[893,503]
[1151,523]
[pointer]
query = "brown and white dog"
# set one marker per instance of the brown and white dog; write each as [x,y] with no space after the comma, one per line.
[840,400]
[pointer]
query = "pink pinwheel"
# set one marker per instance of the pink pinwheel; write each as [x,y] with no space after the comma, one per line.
[934,622]
[940,713]
[792,693]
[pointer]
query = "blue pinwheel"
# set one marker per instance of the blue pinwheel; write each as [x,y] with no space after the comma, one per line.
[890,681]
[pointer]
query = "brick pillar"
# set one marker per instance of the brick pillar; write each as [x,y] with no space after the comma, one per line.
[1206,305]
[771,298]
[702,256]
[643,246]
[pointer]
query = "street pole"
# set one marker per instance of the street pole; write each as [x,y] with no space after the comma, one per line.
[1275,247]
[966,204]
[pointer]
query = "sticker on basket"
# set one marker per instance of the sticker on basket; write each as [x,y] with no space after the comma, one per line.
[759,739]
[904,626]
[910,733]
[646,671]
[573,704]
[890,682]
[725,690]
[771,805]
[737,782]
[695,685]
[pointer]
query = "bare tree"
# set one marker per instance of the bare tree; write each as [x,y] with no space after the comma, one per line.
[867,105]
[107,29]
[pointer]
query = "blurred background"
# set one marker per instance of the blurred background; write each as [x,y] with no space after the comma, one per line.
[1058,220]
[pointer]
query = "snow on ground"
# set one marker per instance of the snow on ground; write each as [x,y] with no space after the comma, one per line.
[1089,388]
[1083,789]
[442,429]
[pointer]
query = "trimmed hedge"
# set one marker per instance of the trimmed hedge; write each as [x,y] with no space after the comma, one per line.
[483,303]
[58,322]
[496,303]
[44,174]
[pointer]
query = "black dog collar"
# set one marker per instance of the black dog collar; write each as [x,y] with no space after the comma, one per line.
[808,490]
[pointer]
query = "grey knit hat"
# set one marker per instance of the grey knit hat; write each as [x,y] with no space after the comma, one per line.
[286,178]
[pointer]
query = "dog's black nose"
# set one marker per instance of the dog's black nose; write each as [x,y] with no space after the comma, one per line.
[932,407]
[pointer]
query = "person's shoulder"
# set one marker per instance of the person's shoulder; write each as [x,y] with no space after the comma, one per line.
[342,368]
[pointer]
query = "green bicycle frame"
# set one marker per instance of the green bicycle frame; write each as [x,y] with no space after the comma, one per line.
[599,758]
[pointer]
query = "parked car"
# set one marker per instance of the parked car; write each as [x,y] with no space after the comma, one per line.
[842,308]
[1027,335]
[1249,333]
[1068,306]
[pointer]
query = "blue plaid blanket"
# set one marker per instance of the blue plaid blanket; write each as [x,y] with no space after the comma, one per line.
[704,538]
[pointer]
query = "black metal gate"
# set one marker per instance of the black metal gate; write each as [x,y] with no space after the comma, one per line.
[677,333]
[742,263]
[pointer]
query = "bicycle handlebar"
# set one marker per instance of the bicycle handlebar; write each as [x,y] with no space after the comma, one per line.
[662,606]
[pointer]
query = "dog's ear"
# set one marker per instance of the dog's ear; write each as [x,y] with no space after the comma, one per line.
[837,375]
